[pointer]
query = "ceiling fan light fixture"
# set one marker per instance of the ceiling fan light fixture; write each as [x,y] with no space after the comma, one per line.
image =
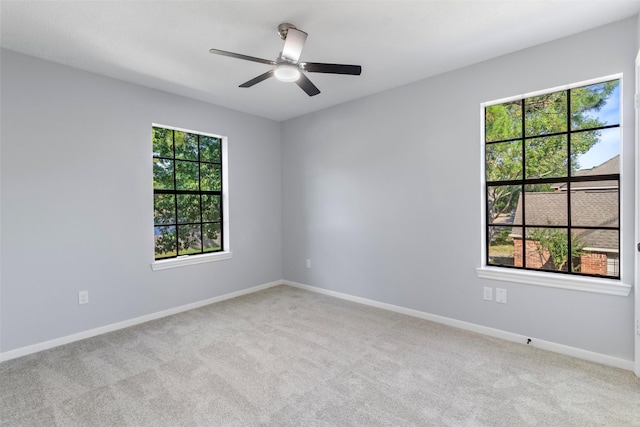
[287,72]
[287,68]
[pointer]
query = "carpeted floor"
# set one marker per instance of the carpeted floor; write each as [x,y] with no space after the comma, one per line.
[288,357]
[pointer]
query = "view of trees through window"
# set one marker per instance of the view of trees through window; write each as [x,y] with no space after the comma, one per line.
[552,166]
[187,187]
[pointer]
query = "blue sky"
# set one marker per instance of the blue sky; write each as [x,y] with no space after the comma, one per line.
[609,145]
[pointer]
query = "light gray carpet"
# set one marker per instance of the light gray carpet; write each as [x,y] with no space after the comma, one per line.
[288,357]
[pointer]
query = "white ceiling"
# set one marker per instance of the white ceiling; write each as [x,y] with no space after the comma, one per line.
[164,44]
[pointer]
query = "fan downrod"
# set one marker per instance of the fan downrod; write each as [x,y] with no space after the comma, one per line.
[283,29]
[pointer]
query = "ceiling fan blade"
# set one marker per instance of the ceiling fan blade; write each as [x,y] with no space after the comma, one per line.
[307,86]
[317,67]
[258,79]
[293,44]
[240,56]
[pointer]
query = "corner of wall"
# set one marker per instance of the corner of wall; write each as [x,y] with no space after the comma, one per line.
[638,31]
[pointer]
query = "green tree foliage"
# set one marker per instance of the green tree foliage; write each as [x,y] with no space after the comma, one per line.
[187,215]
[554,244]
[546,154]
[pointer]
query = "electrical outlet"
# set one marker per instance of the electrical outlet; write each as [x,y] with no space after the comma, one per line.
[83,297]
[308,263]
[501,295]
[487,294]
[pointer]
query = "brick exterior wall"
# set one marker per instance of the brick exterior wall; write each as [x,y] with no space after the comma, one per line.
[593,263]
[534,259]
[590,262]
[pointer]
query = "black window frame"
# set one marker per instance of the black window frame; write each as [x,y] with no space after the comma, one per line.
[199,192]
[569,179]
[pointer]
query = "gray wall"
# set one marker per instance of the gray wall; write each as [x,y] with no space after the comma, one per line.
[77,202]
[383,195]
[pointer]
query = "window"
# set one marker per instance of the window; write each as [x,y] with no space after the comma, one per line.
[188,193]
[552,180]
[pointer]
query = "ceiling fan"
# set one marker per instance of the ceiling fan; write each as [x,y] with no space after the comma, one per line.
[287,68]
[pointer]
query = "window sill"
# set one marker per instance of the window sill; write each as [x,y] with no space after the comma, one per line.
[554,280]
[189,260]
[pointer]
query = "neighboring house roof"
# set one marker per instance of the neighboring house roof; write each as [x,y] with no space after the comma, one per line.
[590,208]
[593,203]
[611,166]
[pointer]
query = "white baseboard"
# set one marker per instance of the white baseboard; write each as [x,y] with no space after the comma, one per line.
[497,333]
[509,336]
[30,349]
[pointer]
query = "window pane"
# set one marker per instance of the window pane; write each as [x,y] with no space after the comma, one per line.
[165,241]
[210,149]
[595,105]
[546,114]
[595,204]
[164,208]
[188,208]
[163,174]
[596,252]
[186,166]
[186,145]
[595,152]
[503,121]
[501,246]
[501,204]
[546,249]
[503,161]
[544,206]
[186,175]
[546,157]
[210,208]
[189,240]
[211,177]
[550,153]
[162,142]
[212,237]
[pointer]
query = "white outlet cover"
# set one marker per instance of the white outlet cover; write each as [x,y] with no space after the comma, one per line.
[487,293]
[83,297]
[501,295]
